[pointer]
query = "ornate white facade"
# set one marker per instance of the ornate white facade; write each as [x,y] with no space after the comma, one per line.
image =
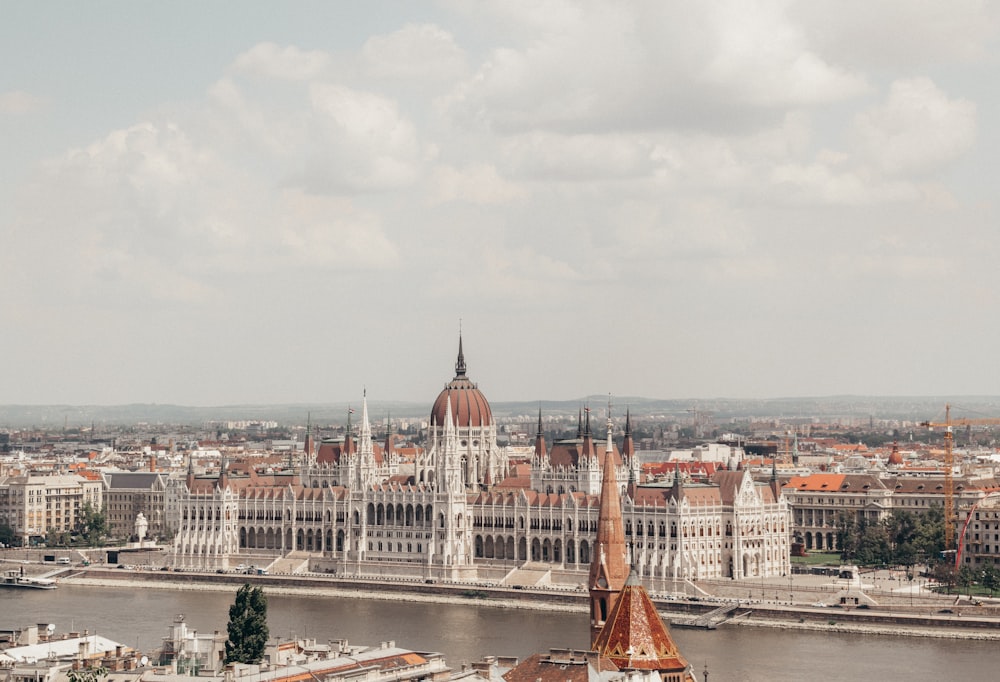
[454,513]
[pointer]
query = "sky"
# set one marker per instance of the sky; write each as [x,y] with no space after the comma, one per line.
[253,202]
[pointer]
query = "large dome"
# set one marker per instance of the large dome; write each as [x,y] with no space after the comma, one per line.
[469,406]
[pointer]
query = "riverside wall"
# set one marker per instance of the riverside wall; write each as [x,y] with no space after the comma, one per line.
[964,622]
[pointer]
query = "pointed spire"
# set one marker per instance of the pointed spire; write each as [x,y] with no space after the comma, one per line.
[390,444]
[587,447]
[579,424]
[460,363]
[308,446]
[349,435]
[366,427]
[628,445]
[609,570]
[540,439]
[223,481]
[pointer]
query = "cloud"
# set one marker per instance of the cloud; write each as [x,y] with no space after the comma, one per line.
[422,52]
[332,232]
[594,67]
[915,130]
[899,34]
[152,212]
[363,142]
[18,102]
[475,184]
[283,63]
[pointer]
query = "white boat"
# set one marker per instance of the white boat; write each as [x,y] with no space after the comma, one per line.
[18,579]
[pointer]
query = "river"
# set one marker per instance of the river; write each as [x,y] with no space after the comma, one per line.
[466,632]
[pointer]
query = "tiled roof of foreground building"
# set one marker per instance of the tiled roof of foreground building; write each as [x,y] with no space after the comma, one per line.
[635,637]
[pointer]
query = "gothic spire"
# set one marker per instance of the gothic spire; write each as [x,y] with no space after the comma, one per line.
[608,570]
[460,363]
[540,439]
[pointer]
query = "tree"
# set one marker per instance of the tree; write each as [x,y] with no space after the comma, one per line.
[991,578]
[93,524]
[945,574]
[966,578]
[247,626]
[7,535]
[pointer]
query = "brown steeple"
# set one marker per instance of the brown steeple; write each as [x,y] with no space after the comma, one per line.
[309,445]
[540,439]
[608,569]
[587,447]
[635,637]
[348,448]
[223,482]
[628,445]
[390,437]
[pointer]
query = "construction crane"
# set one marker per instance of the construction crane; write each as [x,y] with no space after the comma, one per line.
[949,462]
[698,419]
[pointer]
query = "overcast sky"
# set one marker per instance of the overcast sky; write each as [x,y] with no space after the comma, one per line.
[249,202]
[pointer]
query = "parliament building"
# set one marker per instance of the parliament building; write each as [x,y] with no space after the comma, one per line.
[460,510]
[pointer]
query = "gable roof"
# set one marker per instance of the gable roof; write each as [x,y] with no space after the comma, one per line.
[635,637]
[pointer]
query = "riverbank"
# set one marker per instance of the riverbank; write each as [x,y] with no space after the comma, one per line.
[775,616]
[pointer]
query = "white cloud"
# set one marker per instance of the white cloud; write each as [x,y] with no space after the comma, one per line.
[332,232]
[899,34]
[916,130]
[474,184]
[363,142]
[20,102]
[284,63]
[599,66]
[422,52]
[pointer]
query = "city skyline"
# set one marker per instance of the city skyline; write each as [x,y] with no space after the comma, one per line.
[244,204]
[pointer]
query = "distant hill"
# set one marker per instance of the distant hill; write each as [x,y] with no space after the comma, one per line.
[721,410]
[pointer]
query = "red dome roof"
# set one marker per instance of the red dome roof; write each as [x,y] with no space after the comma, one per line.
[469,406]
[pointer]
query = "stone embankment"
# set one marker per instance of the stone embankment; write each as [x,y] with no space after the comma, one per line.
[968,623]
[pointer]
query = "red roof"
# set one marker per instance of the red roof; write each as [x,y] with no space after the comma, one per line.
[635,637]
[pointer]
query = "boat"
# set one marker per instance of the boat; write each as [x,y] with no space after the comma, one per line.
[18,579]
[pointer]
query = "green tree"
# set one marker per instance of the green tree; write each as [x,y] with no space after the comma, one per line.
[991,578]
[966,578]
[7,535]
[847,536]
[247,626]
[873,545]
[945,574]
[928,538]
[93,524]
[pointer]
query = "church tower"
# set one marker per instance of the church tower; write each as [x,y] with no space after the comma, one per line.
[608,570]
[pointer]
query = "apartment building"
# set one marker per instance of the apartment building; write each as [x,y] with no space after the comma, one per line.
[33,505]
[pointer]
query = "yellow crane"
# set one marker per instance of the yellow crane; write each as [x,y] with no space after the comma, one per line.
[949,463]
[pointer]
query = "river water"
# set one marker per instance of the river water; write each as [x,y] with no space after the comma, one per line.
[466,632]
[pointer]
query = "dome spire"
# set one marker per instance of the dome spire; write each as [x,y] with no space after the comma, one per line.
[460,363]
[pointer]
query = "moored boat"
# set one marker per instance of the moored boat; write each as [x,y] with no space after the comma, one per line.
[18,579]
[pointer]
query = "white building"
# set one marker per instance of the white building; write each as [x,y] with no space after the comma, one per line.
[459,514]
